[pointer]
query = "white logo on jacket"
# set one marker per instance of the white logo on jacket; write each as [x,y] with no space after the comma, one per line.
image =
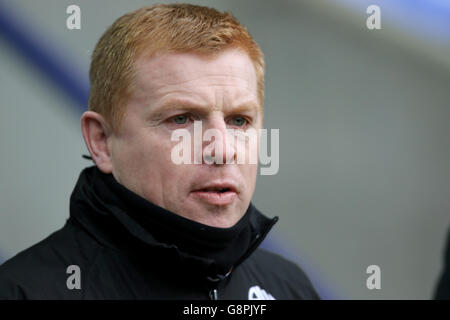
[256,293]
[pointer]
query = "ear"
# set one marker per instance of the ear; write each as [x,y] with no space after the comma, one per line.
[96,132]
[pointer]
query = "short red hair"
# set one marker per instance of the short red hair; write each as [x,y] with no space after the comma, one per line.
[156,29]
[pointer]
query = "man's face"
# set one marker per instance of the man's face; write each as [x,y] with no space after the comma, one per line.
[171,92]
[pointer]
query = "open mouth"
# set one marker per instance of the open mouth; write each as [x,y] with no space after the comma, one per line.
[217,190]
[216,195]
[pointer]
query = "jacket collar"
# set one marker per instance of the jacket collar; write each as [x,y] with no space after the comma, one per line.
[121,219]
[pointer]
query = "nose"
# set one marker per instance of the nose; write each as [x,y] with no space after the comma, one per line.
[219,143]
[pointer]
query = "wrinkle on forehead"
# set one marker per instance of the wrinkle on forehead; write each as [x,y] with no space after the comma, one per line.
[180,69]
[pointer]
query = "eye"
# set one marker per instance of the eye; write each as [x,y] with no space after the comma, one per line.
[239,121]
[180,119]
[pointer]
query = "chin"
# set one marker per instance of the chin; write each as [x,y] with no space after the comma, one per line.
[220,224]
[219,217]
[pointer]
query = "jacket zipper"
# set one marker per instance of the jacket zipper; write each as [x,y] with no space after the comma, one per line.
[213,294]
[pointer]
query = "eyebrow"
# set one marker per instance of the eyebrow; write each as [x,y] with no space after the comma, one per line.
[185,105]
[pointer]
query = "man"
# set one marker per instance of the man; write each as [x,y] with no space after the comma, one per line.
[142,226]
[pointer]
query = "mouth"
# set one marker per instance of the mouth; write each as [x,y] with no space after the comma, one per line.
[216,194]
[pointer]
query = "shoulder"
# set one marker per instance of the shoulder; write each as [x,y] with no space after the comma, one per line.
[443,286]
[281,275]
[276,265]
[40,271]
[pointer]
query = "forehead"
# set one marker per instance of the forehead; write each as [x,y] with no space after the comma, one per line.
[231,68]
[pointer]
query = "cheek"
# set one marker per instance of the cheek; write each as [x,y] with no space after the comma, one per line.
[251,167]
[249,172]
[155,160]
[135,159]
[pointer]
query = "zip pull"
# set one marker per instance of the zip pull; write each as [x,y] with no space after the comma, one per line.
[213,294]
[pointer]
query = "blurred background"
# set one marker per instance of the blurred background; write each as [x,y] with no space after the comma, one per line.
[364,137]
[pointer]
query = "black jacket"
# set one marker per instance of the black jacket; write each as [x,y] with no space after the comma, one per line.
[443,286]
[117,245]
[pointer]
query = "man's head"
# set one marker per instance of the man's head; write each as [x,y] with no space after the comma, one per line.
[157,70]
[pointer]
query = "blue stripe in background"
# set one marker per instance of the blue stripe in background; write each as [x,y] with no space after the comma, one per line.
[53,67]
[422,19]
[43,58]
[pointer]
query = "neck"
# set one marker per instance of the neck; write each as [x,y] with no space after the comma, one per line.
[117,213]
